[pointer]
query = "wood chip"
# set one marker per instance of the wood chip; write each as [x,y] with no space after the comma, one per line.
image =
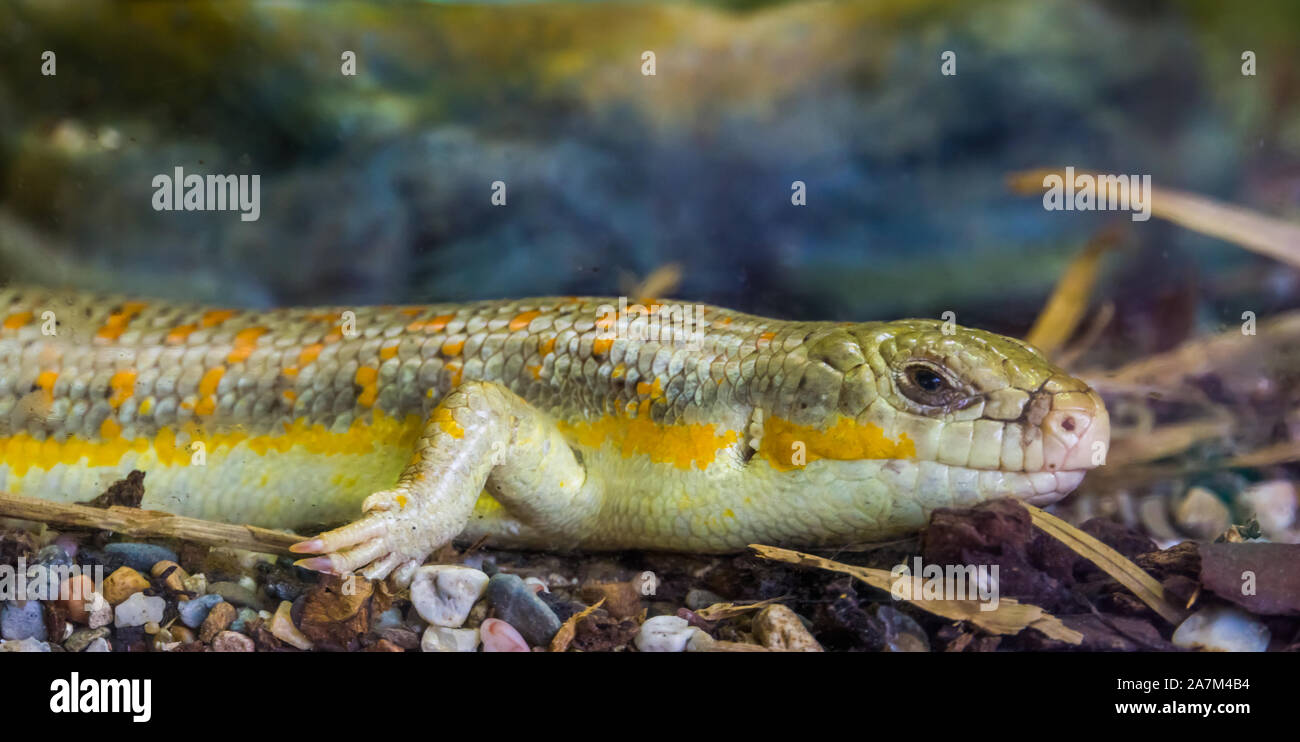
[147,524]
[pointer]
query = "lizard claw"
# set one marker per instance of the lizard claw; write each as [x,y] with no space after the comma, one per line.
[372,546]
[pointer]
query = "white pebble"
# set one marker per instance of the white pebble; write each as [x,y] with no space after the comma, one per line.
[664,634]
[100,612]
[1222,630]
[99,645]
[24,645]
[139,609]
[443,639]
[443,594]
[537,584]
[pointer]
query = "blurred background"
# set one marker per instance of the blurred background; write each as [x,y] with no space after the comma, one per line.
[376,188]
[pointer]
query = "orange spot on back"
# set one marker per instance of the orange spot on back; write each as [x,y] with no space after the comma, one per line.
[46,381]
[437,324]
[309,354]
[206,406]
[245,342]
[388,351]
[211,377]
[17,320]
[601,346]
[521,320]
[366,375]
[123,386]
[452,349]
[116,323]
[216,316]
[178,334]
[368,396]
[547,346]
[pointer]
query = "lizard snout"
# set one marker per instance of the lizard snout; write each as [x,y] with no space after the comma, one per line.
[1076,432]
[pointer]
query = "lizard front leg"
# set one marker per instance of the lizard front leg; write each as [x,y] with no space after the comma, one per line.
[481,435]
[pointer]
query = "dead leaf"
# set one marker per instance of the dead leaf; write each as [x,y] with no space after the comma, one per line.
[1010,617]
[719,611]
[569,628]
[1141,584]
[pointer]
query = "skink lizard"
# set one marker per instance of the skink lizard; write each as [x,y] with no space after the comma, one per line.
[540,423]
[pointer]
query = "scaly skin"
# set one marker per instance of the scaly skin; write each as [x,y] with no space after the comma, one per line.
[536,422]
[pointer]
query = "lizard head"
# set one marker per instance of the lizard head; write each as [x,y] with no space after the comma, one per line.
[955,415]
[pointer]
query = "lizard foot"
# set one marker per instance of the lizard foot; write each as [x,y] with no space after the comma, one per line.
[383,541]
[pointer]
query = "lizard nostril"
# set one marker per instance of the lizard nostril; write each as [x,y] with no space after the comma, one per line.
[1068,423]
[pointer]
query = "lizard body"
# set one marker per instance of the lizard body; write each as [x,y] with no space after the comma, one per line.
[549,422]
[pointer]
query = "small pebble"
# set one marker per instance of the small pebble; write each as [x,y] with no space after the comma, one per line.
[175,581]
[240,595]
[182,634]
[194,611]
[229,641]
[778,627]
[23,619]
[69,544]
[1202,514]
[241,620]
[138,610]
[197,584]
[141,556]
[101,611]
[54,555]
[1222,629]
[1274,504]
[499,636]
[122,584]
[443,639]
[218,620]
[74,596]
[902,632]
[622,599]
[152,628]
[389,619]
[24,645]
[443,594]
[284,630]
[517,604]
[664,634]
[537,585]
[99,645]
[81,638]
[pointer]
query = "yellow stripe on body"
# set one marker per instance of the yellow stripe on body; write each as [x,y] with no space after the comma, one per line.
[304,475]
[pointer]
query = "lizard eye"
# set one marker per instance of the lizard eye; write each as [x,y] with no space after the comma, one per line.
[927,379]
[924,383]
